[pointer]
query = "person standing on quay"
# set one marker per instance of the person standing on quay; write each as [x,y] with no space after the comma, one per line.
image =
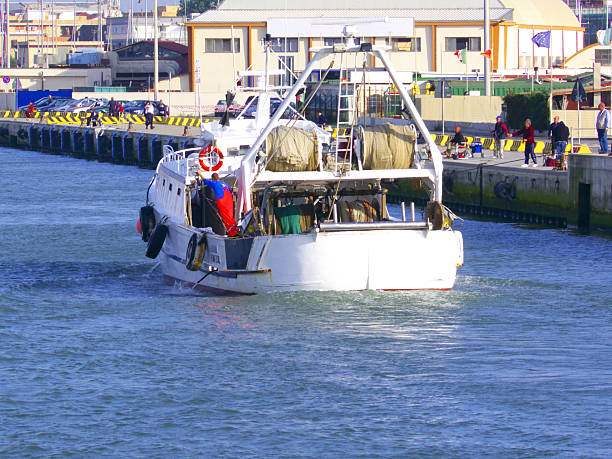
[527,133]
[551,130]
[149,112]
[500,132]
[602,125]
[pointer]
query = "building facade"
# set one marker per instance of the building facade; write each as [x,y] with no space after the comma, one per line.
[439,30]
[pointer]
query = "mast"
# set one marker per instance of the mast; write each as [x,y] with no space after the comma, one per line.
[487,44]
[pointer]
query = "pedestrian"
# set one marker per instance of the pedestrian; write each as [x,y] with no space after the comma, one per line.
[92,118]
[163,108]
[149,113]
[551,128]
[321,120]
[112,107]
[560,137]
[30,111]
[602,125]
[527,133]
[500,132]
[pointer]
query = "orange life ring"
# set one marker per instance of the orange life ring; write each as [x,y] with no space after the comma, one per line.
[207,151]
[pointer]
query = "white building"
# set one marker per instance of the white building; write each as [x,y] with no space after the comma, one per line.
[441,27]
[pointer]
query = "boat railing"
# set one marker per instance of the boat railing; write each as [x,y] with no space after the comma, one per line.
[179,161]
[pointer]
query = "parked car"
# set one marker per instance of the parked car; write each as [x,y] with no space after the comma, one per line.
[275,102]
[221,107]
[55,105]
[136,107]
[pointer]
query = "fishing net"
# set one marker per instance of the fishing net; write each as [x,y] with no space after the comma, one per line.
[388,146]
[292,150]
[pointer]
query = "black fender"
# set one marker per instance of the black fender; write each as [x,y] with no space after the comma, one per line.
[156,241]
[195,252]
[435,215]
[147,222]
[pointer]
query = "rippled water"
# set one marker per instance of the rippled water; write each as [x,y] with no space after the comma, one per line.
[99,358]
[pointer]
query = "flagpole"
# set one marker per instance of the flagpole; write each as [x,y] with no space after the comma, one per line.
[487,46]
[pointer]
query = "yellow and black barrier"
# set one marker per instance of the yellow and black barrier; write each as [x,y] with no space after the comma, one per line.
[80,118]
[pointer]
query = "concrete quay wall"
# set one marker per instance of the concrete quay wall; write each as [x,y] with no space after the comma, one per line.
[108,144]
[531,195]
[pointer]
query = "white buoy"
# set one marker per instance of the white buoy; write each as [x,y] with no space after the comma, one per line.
[403,211]
[335,213]
[412,214]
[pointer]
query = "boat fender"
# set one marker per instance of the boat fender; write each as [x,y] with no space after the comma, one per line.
[195,252]
[435,214]
[156,241]
[147,222]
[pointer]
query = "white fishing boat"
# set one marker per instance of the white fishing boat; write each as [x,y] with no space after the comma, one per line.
[311,213]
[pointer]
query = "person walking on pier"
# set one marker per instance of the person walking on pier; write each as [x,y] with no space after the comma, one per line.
[163,108]
[149,112]
[602,125]
[500,132]
[527,133]
[112,107]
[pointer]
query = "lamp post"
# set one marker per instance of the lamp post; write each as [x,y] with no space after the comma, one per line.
[155,53]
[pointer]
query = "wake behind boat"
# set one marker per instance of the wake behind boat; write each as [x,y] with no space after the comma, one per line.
[298,210]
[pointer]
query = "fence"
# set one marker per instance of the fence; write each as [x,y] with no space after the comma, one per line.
[372,100]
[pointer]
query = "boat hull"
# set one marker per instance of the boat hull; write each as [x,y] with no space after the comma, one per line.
[338,261]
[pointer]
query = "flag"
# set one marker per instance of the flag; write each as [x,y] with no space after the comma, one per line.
[487,54]
[461,55]
[542,39]
[604,37]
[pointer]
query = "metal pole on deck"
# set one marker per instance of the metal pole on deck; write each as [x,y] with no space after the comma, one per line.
[155,53]
[487,46]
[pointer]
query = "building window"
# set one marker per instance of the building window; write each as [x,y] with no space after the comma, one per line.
[222,45]
[331,41]
[409,44]
[284,45]
[603,56]
[469,43]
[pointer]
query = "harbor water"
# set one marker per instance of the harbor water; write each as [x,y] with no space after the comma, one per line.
[98,357]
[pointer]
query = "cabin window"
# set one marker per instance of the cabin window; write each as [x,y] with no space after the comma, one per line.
[170,186]
[459,43]
[284,45]
[603,56]
[164,183]
[222,45]
[407,44]
[331,41]
[178,191]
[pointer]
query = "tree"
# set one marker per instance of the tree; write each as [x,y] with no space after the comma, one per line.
[196,6]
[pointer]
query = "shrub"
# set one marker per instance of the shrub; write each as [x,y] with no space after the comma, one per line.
[529,105]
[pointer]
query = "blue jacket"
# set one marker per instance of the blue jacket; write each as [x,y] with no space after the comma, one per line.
[218,187]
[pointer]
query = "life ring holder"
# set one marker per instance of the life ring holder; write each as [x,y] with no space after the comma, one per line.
[207,152]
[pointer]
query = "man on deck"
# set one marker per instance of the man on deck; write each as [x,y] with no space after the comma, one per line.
[225,202]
